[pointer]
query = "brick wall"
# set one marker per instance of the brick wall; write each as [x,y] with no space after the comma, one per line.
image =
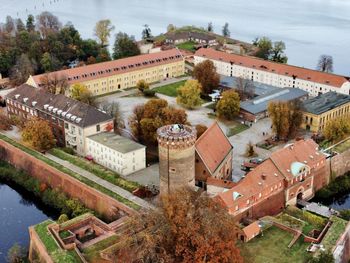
[340,164]
[89,196]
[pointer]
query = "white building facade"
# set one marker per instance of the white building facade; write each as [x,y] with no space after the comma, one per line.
[116,153]
[275,74]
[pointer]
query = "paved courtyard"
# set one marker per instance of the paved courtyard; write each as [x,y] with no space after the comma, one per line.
[254,134]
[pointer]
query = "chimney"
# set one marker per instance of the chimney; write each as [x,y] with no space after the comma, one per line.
[263,176]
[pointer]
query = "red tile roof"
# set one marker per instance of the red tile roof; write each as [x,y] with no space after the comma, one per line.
[220,183]
[273,67]
[252,230]
[213,147]
[303,151]
[263,177]
[110,68]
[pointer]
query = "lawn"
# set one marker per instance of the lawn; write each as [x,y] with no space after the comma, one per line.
[190,46]
[58,255]
[334,232]
[170,89]
[273,248]
[92,253]
[69,172]
[340,148]
[96,169]
[236,129]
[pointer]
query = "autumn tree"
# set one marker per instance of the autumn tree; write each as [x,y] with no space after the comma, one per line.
[17,254]
[325,63]
[186,227]
[200,128]
[170,28]
[81,93]
[286,118]
[125,46]
[229,105]
[250,151]
[155,113]
[103,30]
[189,95]
[337,129]
[205,73]
[5,122]
[54,83]
[38,134]
[142,85]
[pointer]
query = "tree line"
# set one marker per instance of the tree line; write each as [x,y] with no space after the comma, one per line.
[42,44]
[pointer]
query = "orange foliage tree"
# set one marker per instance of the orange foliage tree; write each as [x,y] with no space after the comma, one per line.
[186,227]
[38,134]
[155,113]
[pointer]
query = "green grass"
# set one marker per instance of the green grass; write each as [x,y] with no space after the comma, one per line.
[170,89]
[92,253]
[69,172]
[75,220]
[273,248]
[237,129]
[340,148]
[190,46]
[64,234]
[334,232]
[57,254]
[96,169]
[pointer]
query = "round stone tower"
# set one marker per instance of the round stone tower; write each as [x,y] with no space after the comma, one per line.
[176,157]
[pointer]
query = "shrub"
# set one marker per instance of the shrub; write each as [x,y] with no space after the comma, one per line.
[68,150]
[149,93]
[63,218]
[16,254]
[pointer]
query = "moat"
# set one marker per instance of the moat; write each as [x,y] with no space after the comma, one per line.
[18,210]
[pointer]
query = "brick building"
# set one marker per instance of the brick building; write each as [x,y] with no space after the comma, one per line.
[214,154]
[71,120]
[291,173]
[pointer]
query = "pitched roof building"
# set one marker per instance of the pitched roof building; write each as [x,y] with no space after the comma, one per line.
[288,175]
[275,74]
[119,74]
[71,120]
[213,155]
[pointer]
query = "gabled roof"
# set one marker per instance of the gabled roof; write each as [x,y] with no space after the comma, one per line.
[110,68]
[85,115]
[273,67]
[302,152]
[213,147]
[251,230]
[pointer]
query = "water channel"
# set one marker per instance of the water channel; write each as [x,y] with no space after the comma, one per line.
[19,209]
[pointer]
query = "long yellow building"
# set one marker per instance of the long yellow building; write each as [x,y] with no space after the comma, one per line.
[111,76]
[320,110]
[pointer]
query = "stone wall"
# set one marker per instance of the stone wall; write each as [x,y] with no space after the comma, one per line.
[37,250]
[341,251]
[340,164]
[89,196]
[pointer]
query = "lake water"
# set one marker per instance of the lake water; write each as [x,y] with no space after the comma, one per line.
[18,211]
[308,27]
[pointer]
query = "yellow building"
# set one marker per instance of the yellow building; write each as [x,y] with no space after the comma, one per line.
[318,111]
[111,76]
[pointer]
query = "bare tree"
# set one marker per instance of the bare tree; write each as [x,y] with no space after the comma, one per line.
[325,63]
[245,88]
[114,110]
[23,68]
[47,23]
[103,30]
[54,83]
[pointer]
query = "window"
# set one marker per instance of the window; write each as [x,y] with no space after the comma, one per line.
[98,128]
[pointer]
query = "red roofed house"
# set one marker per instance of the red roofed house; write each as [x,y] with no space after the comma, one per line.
[296,171]
[275,74]
[250,231]
[213,156]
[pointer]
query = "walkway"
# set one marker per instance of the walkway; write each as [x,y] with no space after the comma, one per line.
[317,208]
[116,189]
